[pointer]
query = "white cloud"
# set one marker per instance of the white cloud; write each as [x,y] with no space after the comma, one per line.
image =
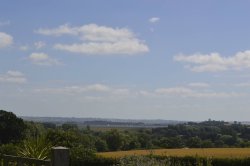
[214,62]
[208,68]
[93,32]
[5,40]
[98,40]
[122,47]
[100,88]
[13,77]
[15,73]
[90,32]
[43,59]
[39,44]
[97,88]
[174,91]
[199,84]
[94,90]
[154,19]
[61,30]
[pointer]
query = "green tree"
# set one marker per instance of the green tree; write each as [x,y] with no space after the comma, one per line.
[101,145]
[11,127]
[194,142]
[34,130]
[175,142]
[145,140]
[62,138]
[114,140]
[228,139]
[69,126]
[207,144]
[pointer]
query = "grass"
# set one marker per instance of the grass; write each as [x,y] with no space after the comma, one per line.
[201,152]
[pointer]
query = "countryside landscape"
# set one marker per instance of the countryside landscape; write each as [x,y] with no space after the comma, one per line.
[124,83]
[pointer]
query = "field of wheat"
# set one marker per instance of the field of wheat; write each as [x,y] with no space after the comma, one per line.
[201,152]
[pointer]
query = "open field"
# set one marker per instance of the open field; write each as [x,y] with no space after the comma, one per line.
[205,152]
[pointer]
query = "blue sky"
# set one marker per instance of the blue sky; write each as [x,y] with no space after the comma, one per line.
[148,59]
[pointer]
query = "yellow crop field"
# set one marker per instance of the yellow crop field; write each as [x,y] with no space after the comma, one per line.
[206,152]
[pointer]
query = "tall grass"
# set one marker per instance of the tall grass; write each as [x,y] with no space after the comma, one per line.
[166,161]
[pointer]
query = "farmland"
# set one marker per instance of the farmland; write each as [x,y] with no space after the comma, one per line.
[201,152]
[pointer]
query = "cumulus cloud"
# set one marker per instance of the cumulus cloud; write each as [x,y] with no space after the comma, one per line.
[39,44]
[13,77]
[43,59]
[154,19]
[90,32]
[5,40]
[98,40]
[121,47]
[214,62]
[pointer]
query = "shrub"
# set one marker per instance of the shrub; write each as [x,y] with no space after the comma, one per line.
[9,149]
[80,156]
[35,148]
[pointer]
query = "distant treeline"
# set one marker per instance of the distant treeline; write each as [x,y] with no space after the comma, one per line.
[205,134]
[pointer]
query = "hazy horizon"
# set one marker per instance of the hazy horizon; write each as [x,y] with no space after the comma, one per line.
[173,60]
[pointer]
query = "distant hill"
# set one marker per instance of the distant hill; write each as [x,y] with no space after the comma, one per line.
[104,122]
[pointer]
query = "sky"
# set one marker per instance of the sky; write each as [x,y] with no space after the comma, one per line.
[133,59]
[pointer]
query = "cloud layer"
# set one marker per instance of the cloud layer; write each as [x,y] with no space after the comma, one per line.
[5,40]
[13,77]
[187,92]
[98,40]
[215,62]
[107,91]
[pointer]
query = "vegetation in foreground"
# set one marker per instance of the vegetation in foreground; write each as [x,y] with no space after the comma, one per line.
[29,139]
[167,161]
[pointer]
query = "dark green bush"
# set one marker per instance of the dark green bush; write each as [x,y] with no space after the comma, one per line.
[93,161]
[9,149]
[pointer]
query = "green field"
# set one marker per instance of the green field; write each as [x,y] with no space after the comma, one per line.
[206,152]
